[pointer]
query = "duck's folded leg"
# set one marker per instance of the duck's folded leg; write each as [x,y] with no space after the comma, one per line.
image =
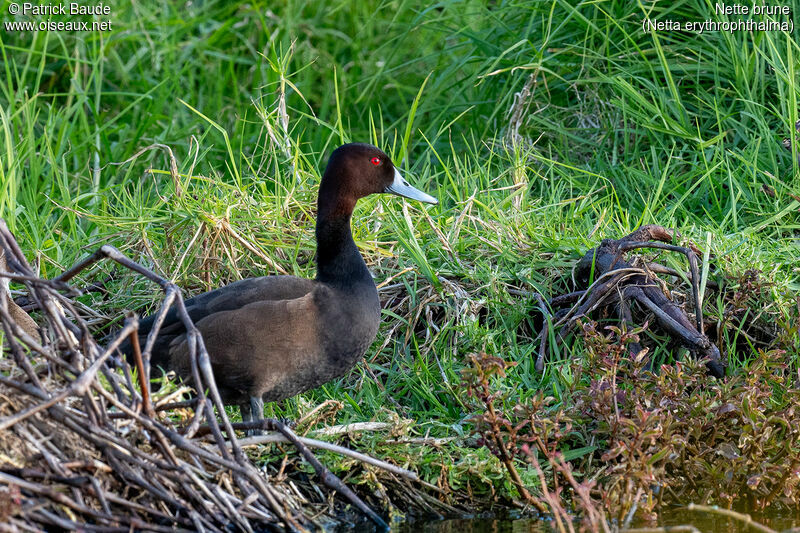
[245,411]
[251,412]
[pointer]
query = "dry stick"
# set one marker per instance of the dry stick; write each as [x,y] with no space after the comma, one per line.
[593,297]
[63,329]
[70,525]
[16,261]
[217,491]
[136,479]
[176,405]
[431,500]
[91,348]
[32,343]
[204,403]
[177,439]
[191,330]
[247,472]
[696,340]
[100,495]
[161,315]
[215,495]
[744,518]
[107,251]
[626,317]
[78,387]
[213,499]
[568,298]
[113,380]
[102,437]
[352,427]
[16,351]
[330,480]
[26,473]
[322,445]
[15,526]
[201,365]
[197,419]
[422,503]
[137,357]
[33,280]
[53,495]
[14,256]
[335,448]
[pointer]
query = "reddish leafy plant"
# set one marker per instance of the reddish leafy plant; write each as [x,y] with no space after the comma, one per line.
[672,436]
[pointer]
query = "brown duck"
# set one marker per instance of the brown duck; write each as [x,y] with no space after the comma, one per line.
[272,337]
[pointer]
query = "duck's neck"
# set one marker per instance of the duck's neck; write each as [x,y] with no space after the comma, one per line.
[339,262]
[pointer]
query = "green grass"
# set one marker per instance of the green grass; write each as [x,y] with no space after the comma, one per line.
[542,127]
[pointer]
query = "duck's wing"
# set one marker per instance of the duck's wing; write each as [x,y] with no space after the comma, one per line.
[227,298]
[265,346]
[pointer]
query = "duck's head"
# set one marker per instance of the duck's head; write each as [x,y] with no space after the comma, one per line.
[357,170]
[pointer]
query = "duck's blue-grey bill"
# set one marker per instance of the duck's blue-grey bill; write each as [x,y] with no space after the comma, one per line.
[400,187]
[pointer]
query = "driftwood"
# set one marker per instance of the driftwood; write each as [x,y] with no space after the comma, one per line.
[81,446]
[619,283]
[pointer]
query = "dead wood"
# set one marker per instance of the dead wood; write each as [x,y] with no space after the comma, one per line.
[84,448]
[616,283]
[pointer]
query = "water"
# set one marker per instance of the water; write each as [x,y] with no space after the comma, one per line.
[782,521]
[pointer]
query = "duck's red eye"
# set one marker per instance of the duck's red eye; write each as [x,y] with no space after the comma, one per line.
[375,161]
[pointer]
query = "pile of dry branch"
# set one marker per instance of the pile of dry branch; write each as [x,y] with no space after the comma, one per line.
[82,447]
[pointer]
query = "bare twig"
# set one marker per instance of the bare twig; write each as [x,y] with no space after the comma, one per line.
[326,475]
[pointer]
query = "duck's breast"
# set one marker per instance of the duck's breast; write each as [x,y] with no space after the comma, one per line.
[345,323]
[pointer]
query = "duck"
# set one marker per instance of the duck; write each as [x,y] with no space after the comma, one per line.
[270,338]
[17,314]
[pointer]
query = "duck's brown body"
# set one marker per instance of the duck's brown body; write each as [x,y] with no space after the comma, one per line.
[273,337]
[277,336]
